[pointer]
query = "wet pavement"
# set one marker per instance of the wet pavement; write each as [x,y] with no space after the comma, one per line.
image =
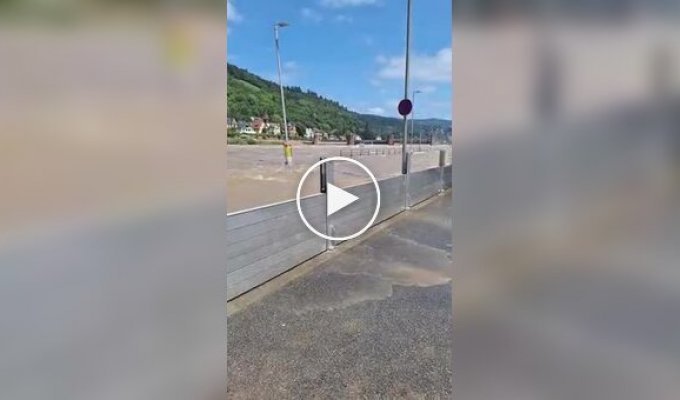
[372,321]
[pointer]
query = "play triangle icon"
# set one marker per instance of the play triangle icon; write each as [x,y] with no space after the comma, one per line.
[337,199]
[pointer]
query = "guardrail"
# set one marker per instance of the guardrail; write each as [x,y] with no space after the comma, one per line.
[267,241]
[369,150]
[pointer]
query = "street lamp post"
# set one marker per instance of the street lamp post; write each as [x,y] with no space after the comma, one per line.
[283,99]
[404,167]
[413,115]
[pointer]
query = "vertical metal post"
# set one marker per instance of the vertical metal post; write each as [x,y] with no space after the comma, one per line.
[406,79]
[406,182]
[328,177]
[413,114]
[322,177]
[442,165]
[278,62]
[413,117]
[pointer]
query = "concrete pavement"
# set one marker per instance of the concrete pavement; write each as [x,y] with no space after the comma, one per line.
[371,321]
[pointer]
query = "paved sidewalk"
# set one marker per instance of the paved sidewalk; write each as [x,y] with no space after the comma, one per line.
[373,321]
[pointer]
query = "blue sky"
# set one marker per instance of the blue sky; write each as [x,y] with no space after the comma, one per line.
[351,51]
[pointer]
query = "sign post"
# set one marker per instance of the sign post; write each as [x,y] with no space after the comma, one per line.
[408,107]
[405,107]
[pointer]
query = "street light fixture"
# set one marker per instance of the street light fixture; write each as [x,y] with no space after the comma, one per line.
[413,112]
[287,152]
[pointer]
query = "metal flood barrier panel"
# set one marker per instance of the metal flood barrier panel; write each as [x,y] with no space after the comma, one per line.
[391,197]
[447,179]
[423,184]
[391,203]
[353,218]
[267,241]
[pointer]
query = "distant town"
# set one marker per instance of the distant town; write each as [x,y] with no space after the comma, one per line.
[262,129]
[255,116]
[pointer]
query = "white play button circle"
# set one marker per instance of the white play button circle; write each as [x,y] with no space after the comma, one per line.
[338,199]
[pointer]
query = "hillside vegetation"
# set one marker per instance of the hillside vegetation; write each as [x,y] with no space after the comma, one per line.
[249,95]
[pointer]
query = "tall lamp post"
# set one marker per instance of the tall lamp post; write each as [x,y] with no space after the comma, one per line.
[288,154]
[413,112]
[404,167]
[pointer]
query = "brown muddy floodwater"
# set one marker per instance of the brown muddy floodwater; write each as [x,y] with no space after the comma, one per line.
[256,175]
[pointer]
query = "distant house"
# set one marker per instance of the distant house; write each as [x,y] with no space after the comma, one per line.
[247,130]
[378,137]
[309,133]
[291,128]
[258,125]
[232,123]
[274,129]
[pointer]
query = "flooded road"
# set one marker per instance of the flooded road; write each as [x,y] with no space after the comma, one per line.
[256,175]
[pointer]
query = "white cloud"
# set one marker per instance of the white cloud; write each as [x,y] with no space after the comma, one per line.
[289,73]
[392,104]
[375,82]
[440,104]
[344,19]
[232,14]
[427,88]
[424,68]
[376,110]
[346,3]
[311,15]
[368,40]
[434,108]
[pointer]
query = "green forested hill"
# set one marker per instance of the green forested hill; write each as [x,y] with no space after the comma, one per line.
[249,95]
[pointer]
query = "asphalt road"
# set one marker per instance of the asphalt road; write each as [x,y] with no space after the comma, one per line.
[375,321]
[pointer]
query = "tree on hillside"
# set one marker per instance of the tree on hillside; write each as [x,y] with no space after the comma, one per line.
[251,96]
